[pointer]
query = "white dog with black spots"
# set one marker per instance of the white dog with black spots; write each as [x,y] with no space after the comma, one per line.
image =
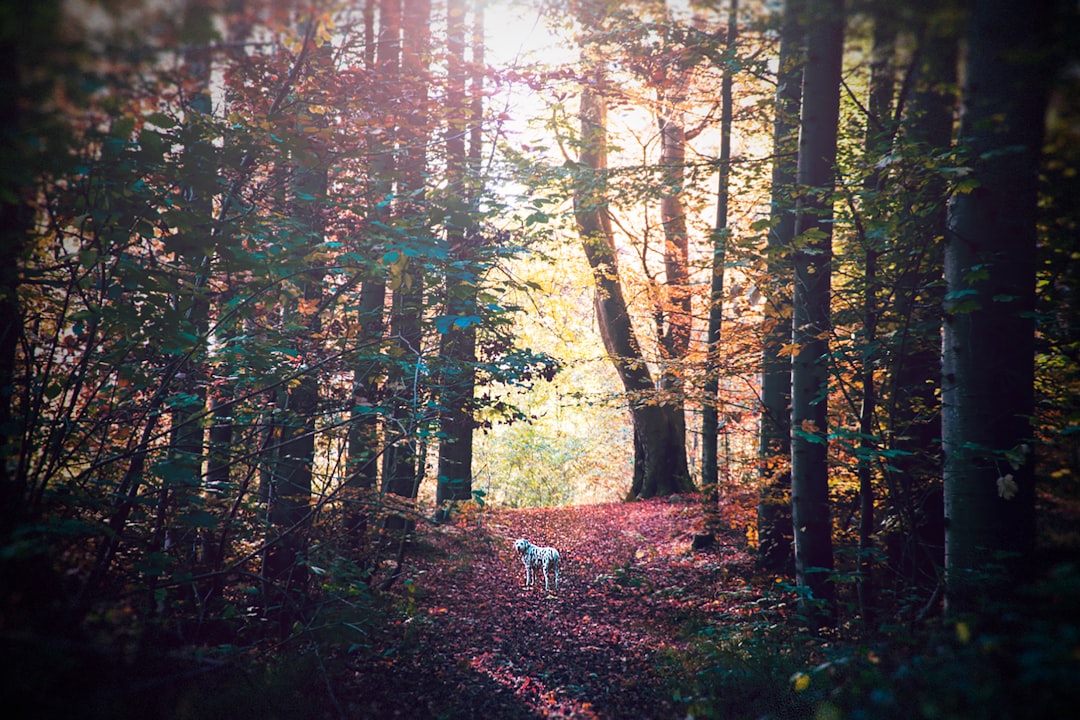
[535,557]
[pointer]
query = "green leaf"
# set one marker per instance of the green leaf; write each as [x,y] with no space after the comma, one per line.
[162,120]
[122,128]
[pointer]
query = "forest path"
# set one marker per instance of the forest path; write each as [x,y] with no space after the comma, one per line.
[484,646]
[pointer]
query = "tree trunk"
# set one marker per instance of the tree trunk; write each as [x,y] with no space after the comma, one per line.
[913,417]
[879,134]
[290,511]
[16,221]
[710,411]
[458,344]
[775,549]
[811,325]
[989,334]
[660,466]
[659,437]
[384,59]
[402,471]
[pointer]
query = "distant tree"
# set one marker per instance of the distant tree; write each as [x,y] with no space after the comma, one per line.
[383,60]
[403,465]
[660,466]
[876,144]
[458,339]
[710,422]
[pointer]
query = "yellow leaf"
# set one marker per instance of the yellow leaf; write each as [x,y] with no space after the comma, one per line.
[963,632]
[800,681]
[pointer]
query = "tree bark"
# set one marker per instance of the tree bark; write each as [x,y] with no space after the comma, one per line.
[402,467]
[775,549]
[876,143]
[660,466]
[989,330]
[384,58]
[811,324]
[710,411]
[458,344]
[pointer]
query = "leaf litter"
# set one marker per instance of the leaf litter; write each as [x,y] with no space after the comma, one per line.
[473,642]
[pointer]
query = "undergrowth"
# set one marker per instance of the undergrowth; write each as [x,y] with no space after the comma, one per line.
[1011,660]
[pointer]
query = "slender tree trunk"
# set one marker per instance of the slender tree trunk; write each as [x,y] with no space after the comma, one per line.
[710,412]
[988,348]
[290,499]
[181,477]
[811,324]
[878,140]
[384,59]
[913,475]
[401,469]
[775,549]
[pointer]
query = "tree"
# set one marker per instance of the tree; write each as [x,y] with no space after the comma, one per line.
[35,142]
[811,326]
[989,331]
[876,144]
[660,466]
[403,464]
[912,276]
[710,426]
[774,440]
[458,341]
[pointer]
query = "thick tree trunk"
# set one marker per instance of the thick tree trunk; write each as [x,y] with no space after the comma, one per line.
[811,323]
[16,220]
[660,466]
[988,348]
[775,549]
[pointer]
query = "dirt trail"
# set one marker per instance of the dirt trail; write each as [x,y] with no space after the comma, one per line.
[483,646]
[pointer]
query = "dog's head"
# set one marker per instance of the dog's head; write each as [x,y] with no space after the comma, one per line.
[521,545]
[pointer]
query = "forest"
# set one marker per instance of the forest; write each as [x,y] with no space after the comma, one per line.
[763,314]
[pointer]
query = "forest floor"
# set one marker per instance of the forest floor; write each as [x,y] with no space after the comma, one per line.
[481,645]
[642,626]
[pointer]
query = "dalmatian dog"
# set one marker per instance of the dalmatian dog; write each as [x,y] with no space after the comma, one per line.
[535,557]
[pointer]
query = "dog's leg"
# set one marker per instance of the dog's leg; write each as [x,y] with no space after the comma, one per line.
[556,567]
[528,575]
[547,587]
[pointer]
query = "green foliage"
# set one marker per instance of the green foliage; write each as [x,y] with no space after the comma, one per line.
[739,666]
[1016,661]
